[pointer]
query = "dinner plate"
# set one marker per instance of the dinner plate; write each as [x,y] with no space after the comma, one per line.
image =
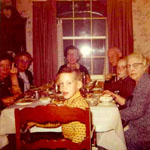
[23,103]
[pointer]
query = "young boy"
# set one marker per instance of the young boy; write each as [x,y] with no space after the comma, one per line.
[70,82]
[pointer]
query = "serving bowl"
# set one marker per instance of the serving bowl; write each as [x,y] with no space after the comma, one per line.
[106,98]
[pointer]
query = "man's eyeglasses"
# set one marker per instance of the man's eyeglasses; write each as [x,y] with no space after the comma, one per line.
[135,65]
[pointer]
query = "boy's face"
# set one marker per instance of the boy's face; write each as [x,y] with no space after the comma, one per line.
[69,85]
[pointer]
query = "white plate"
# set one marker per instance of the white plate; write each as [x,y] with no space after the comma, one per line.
[23,103]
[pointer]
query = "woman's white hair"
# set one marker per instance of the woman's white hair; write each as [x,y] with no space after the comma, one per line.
[141,57]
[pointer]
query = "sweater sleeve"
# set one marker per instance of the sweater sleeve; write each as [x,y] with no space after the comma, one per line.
[139,104]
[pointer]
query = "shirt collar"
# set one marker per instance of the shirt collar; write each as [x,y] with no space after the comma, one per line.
[77,94]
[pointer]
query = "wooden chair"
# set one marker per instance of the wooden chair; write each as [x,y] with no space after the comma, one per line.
[52,113]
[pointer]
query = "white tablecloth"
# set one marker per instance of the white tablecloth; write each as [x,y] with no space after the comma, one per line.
[109,130]
[106,120]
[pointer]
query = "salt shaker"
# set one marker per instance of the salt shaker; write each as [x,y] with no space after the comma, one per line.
[36,95]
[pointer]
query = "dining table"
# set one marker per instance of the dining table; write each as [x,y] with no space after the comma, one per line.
[105,118]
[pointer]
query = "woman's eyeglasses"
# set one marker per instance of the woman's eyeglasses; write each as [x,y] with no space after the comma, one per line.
[135,65]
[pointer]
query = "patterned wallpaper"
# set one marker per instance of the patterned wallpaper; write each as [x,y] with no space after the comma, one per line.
[25,9]
[141,26]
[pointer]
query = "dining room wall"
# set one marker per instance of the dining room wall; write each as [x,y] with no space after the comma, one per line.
[25,9]
[141,23]
[141,29]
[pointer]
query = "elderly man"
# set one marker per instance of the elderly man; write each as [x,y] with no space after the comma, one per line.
[114,54]
[122,84]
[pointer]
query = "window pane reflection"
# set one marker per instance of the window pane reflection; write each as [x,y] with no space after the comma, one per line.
[99,47]
[82,27]
[99,27]
[67,43]
[86,62]
[98,65]
[67,31]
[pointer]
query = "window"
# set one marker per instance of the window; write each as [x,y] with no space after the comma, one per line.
[85,26]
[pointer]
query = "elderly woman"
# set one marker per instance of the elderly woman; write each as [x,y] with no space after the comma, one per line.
[72,56]
[9,86]
[138,109]
[23,61]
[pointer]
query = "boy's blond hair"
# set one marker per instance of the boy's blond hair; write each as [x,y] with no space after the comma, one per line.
[76,72]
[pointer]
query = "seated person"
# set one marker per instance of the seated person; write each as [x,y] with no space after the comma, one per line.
[114,54]
[137,111]
[9,86]
[70,84]
[122,84]
[23,61]
[72,55]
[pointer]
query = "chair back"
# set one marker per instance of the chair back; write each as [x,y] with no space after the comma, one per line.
[52,114]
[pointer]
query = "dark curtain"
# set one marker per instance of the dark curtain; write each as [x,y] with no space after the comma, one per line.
[44,41]
[13,3]
[120,25]
[12,31]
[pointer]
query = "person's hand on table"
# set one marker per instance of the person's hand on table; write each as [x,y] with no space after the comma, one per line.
[116,97]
